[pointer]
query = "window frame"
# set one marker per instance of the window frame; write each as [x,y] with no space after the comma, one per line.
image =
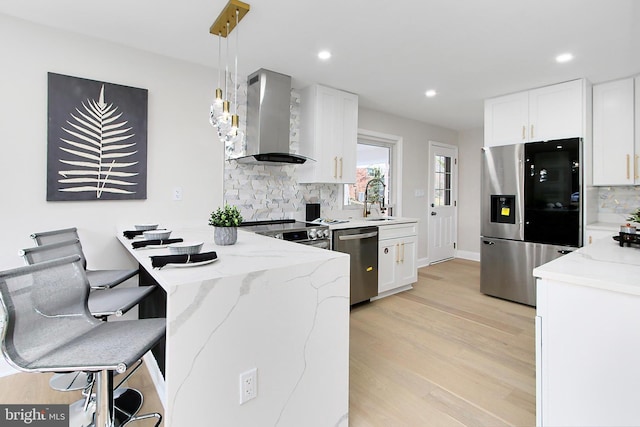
[394,142]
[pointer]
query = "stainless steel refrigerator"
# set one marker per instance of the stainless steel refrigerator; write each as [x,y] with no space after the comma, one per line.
[531,213]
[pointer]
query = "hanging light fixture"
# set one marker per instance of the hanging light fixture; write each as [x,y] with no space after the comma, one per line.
[216,107]
[233,132]
[220,115]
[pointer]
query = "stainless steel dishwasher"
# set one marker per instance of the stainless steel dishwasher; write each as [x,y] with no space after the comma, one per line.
[362,246]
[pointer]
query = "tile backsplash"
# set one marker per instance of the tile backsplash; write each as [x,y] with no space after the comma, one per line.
[263,191]
[616,203]
[618,200]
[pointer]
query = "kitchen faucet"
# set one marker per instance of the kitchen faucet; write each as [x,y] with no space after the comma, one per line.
[366,197]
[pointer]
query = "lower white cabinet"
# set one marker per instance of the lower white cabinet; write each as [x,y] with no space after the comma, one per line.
[587,347]
[397,258]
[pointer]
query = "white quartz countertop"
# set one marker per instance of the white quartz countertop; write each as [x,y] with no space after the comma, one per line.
[371,221]
[251,253]
[602,264]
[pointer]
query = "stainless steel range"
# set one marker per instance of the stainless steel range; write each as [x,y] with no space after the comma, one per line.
[294,231]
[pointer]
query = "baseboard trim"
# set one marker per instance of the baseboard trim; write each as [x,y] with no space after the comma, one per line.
[422,262]
[471,256]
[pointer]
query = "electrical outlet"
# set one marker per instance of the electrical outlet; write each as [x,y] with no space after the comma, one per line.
[248,385]
[177,193]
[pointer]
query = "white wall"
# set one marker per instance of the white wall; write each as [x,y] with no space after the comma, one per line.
[469,161]
[415,159]
[182,147]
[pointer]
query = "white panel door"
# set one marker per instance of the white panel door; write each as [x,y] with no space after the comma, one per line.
[442,201]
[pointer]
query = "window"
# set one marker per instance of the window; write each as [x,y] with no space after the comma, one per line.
[374,160]
[442,181]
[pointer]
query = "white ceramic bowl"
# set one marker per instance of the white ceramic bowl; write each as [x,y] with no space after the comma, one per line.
[145,227]
[156,234]
[185,248]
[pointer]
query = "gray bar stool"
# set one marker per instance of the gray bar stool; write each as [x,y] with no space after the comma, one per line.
[101,303]
[97,278]
[48,328]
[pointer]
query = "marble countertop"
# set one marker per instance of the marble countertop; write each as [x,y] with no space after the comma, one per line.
[251,253]
[602,264]
[367,222]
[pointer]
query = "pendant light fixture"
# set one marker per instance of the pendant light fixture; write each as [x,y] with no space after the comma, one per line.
[216,107]
[220,115]
[233,132]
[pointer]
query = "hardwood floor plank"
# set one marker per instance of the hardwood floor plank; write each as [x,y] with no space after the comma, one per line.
[467,357]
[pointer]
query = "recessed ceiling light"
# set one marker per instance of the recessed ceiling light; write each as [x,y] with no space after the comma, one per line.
[430,93]
[324,55]
[565,57]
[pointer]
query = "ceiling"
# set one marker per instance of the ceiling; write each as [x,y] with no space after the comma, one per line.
[387,52]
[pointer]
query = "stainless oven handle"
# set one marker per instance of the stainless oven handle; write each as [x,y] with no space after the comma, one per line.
[358,236]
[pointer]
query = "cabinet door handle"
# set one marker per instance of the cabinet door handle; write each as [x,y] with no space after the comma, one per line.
[531,132]
[635,167]
[403,253]
[335,167]
[397,253]
[523,131]
[628,176]
[340,167]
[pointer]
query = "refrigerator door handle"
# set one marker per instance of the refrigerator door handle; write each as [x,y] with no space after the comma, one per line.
[488,242]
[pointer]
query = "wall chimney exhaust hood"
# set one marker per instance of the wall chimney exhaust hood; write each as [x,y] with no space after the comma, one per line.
[268,116]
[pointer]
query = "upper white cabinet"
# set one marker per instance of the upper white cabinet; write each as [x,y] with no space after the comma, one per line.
[328,134]
[550,112]
[615,152]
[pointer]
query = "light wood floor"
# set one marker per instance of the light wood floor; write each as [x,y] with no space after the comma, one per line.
[441,354]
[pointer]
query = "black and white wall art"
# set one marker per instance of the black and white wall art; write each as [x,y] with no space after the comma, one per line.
[97,140]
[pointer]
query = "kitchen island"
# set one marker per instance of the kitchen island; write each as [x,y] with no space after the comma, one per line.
[277,306]
[588,337]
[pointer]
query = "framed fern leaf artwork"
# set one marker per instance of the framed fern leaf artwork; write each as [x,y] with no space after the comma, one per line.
[97,140]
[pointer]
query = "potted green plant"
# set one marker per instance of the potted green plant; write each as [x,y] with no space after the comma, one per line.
[634,216]
[225,222]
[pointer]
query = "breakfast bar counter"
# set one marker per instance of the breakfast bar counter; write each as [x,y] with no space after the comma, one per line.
[277,306]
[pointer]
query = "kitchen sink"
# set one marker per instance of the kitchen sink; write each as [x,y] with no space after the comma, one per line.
[379,219]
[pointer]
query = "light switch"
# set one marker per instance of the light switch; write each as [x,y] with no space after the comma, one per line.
[177,193]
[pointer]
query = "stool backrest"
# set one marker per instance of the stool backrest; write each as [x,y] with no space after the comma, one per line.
[54,236]
[52,251]
[45,306]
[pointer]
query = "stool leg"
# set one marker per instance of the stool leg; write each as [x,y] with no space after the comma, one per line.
[104,399]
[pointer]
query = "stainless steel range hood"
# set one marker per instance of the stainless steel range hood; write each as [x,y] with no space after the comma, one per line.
[268,116]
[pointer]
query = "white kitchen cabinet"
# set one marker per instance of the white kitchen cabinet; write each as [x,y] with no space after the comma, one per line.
[615,147]
[587,337]
[397,258]
[587,343]
[550,112]
[328,135]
